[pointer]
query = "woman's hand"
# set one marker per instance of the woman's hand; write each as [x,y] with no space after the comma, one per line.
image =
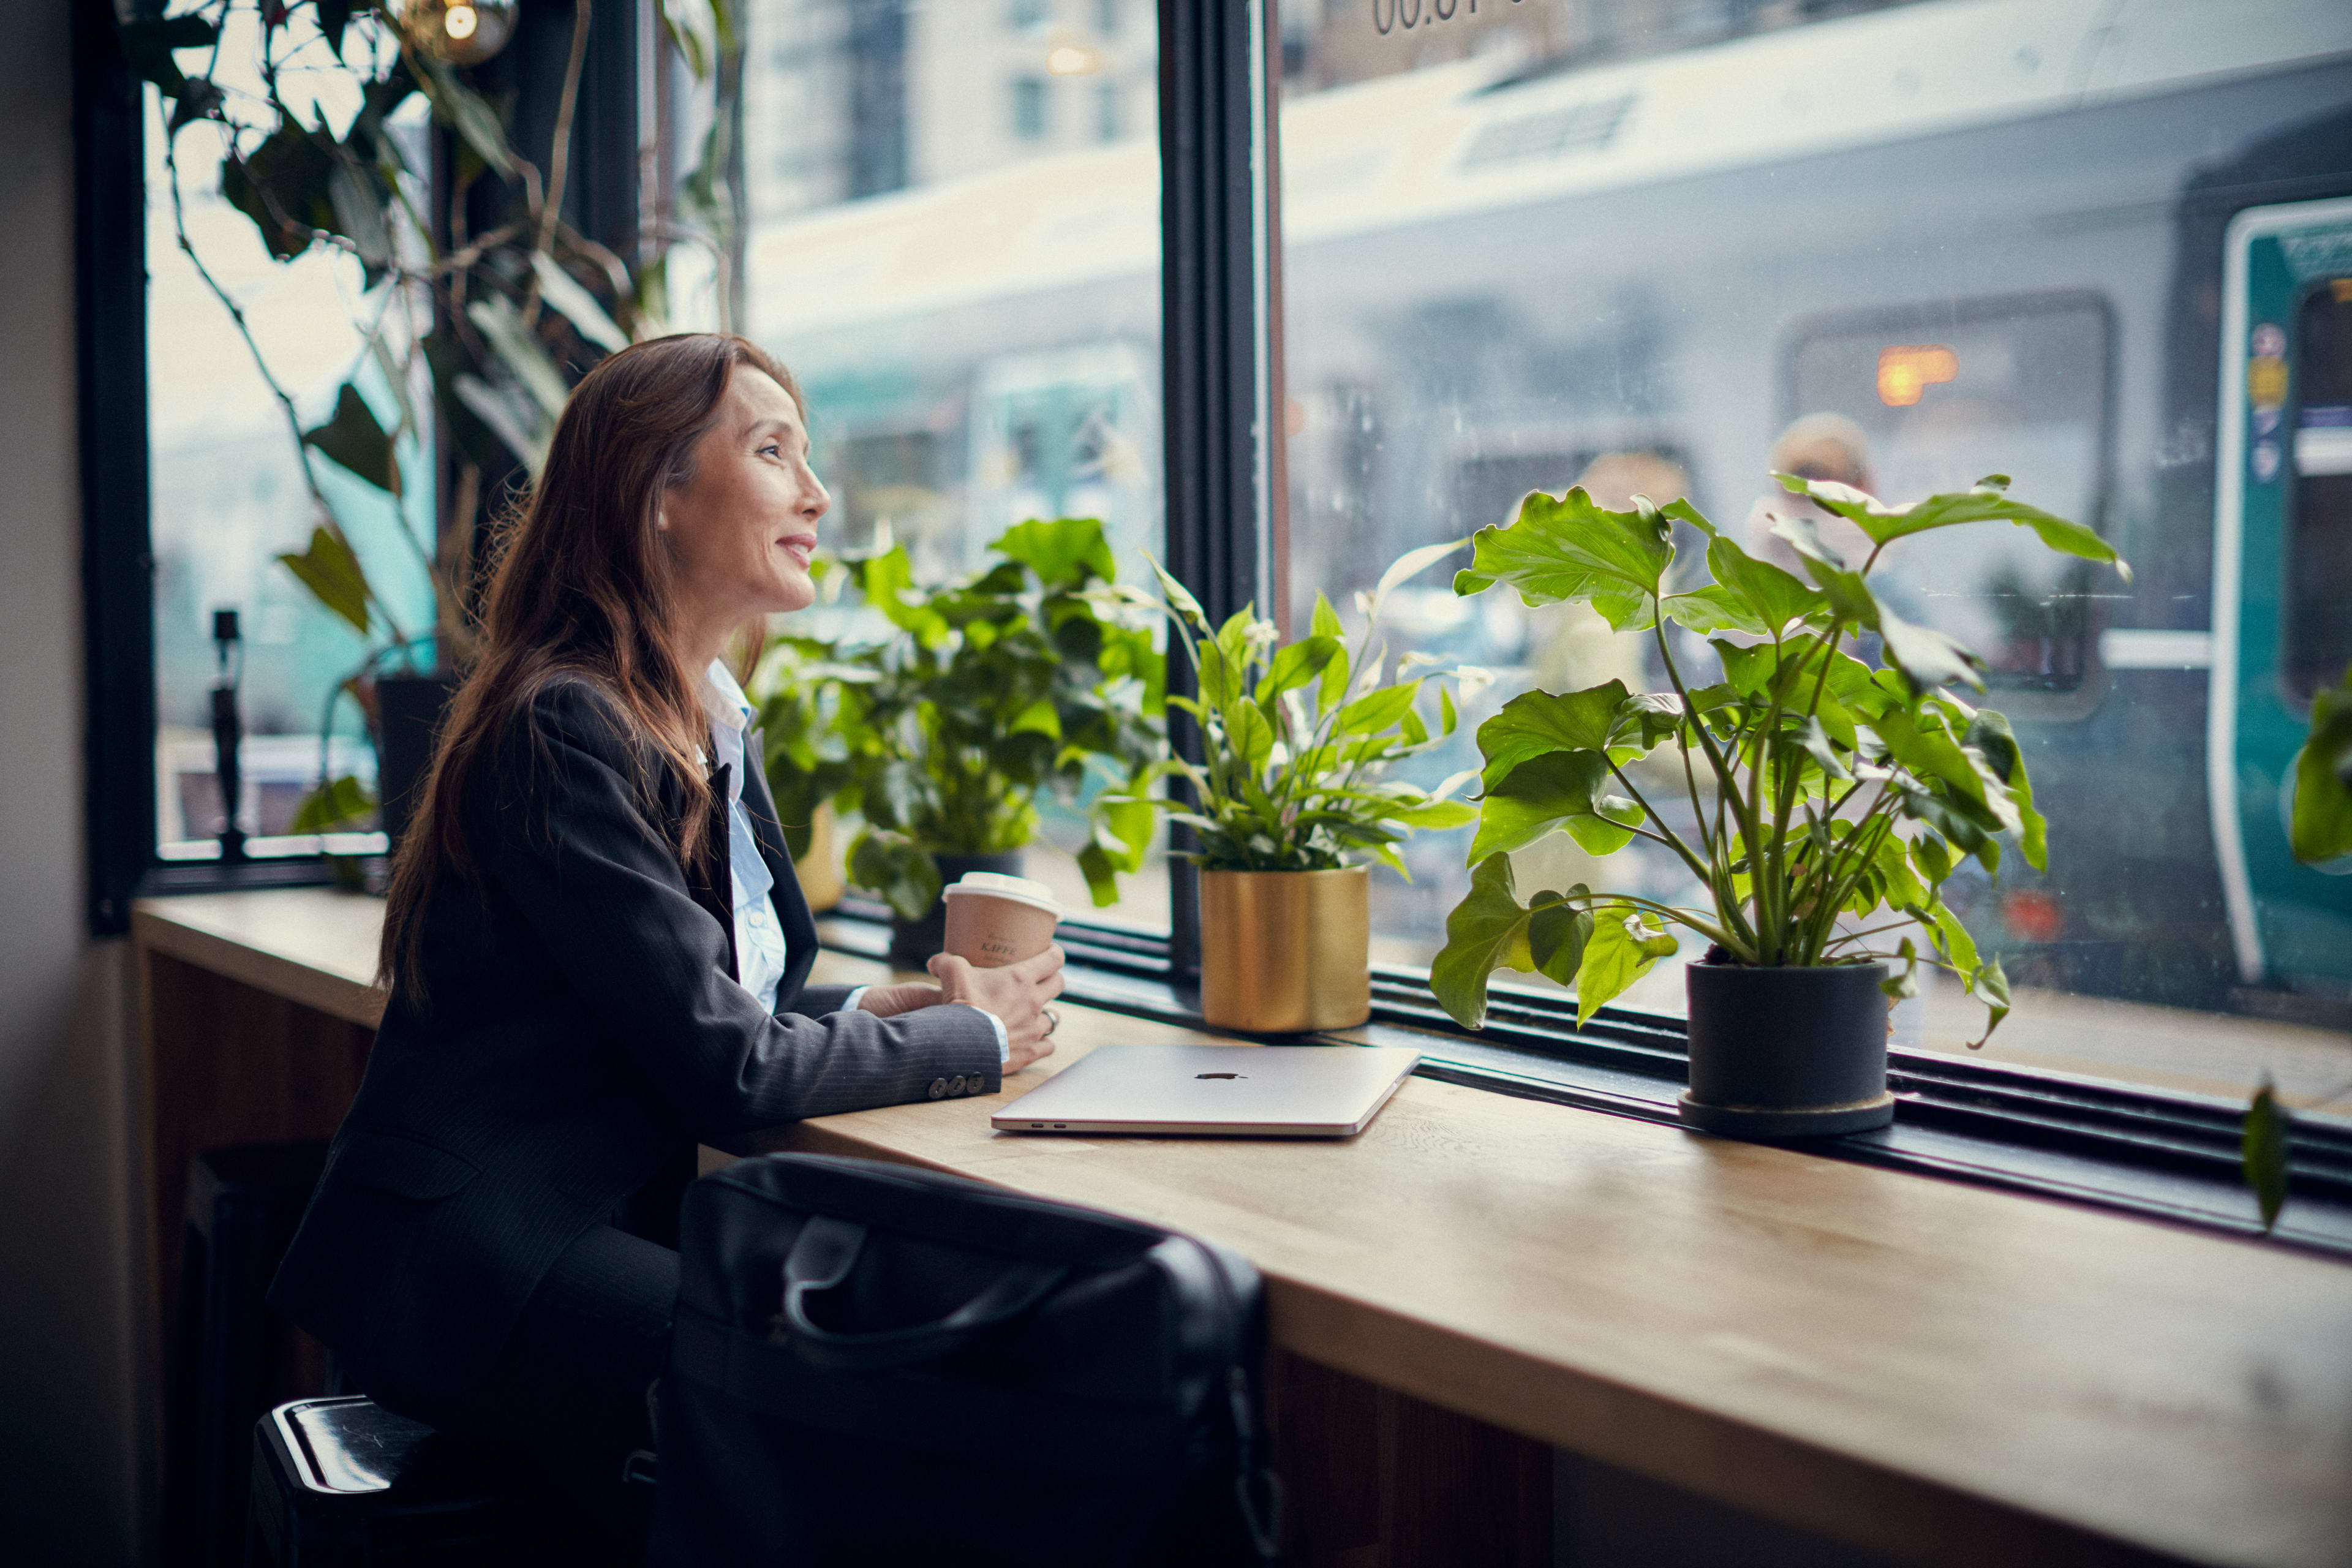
[1016,994]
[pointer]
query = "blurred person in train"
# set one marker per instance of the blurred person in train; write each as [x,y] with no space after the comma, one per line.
[1817,446]
[597,953]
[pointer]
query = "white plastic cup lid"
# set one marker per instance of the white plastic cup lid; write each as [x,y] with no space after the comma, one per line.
[997,885]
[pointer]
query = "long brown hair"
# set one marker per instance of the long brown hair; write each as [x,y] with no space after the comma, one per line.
[581,586]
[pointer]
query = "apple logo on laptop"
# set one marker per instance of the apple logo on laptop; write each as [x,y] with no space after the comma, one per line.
[1219,1075]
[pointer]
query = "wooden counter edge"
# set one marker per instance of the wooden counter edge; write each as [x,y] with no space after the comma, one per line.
[153,929]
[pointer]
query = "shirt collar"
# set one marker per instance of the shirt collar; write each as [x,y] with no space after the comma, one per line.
[724,697]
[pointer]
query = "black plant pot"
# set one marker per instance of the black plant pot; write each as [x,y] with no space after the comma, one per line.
[1787,1053]
[408,709]
[913,943]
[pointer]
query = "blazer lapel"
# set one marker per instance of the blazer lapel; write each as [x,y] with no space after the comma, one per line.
[791,905]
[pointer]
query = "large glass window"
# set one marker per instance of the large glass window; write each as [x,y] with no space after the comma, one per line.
[230,492]
[979,336]
[1660,248]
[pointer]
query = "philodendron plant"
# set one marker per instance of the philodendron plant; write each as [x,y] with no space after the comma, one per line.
[1296,738]
[1823,802]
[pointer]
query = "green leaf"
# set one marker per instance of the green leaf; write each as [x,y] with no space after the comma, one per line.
[2320,821]
[1378,712]
[357,199]
[1326,622]
[1251,738]
[1065,553]
[1039,719]
[1927,658]
[1535,723]
[1989,735]
[1776,599]
[1905,984]
[1714,608]
[332,573]
[514,419]
[1491,930]
[1297,665]
[331,806]
[353,439]
[1181,597]
[563,291]
[1570,549]
[1625,945]
[283,186]
[2264,1152]
[1558,789]
[1987,502]
[898,871]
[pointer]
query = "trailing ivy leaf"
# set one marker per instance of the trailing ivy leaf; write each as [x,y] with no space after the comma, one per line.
[1064,553]
[283,186]
[462,109]
[1537,722]
[333,807]
[332,573]
[356,441]
[563,291]
[2264,1152]
[2320,822]
[1625,945]
[1570,549]
[519,349]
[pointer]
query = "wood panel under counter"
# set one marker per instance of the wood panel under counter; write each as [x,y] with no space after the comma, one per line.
[1934,1372]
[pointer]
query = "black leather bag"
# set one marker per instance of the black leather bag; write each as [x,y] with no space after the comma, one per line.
[878,1364]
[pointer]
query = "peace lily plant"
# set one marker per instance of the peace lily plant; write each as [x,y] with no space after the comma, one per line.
[1296,739]
[1820,801]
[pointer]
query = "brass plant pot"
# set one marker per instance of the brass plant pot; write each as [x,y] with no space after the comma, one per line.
[819,870]
[1285,950]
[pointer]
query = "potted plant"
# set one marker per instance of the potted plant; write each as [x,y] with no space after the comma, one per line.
[797,686]
[1290,801]
[1824,801]
[940,734]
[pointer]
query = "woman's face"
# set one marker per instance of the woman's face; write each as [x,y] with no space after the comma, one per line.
[740,530]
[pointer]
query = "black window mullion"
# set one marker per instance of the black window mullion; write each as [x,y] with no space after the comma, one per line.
[1211,234]
[110,404]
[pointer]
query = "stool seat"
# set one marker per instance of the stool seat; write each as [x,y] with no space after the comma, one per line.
[343,1480]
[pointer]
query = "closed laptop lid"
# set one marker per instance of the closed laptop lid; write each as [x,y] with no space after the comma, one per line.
[1294,1091]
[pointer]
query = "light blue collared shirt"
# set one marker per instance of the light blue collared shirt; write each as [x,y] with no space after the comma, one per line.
[759,938]
[760,954]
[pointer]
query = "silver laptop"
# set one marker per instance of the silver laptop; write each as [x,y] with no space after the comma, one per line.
[1233,1092]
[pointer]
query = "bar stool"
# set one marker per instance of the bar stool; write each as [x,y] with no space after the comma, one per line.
[244,1204]
[340,1481]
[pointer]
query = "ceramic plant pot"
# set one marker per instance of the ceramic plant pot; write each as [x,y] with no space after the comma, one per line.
[1285,950]
[1787,1053]
[913,943]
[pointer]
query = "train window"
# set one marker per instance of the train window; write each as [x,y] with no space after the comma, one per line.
[1656,250]
[979,331]
[2318,622]
[2012,387]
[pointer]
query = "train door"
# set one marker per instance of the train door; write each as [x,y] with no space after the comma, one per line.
[2283,575]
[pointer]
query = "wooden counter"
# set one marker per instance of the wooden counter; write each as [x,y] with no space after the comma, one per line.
[1934,1372]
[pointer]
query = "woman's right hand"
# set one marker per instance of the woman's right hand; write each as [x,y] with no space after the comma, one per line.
[1016,994]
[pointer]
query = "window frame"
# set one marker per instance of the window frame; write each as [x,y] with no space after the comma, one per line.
[2166,1154]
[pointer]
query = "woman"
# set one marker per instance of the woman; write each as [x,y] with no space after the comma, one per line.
[594,944]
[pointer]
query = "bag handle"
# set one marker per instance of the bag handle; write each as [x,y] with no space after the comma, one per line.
[821,1259]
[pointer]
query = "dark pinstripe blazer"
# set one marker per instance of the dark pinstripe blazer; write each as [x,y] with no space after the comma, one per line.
[581,1030]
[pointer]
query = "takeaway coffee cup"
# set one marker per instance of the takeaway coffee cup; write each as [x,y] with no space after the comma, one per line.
[995,920]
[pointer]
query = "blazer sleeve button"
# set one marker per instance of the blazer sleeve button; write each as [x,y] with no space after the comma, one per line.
[939,1088]
[956,1085]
